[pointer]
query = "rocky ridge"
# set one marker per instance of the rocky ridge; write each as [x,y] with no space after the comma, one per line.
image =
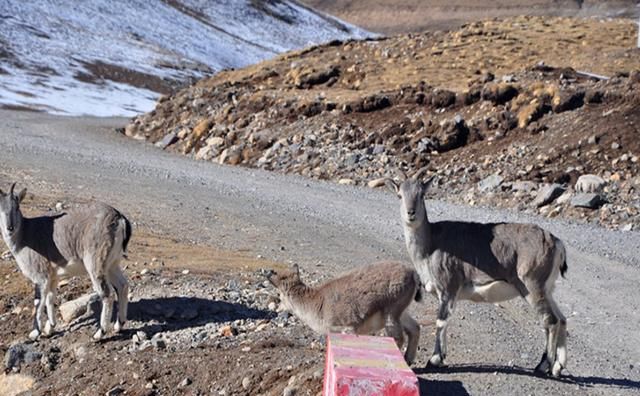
[502,114]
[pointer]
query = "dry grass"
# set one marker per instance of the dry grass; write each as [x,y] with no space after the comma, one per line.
[451,60]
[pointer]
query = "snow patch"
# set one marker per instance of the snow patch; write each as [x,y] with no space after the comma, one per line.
[47,45]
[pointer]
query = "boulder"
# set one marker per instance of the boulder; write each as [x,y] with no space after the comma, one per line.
[490,183]
[548,194]
[567,100]
[589,201]
[499,93]
[20,354]
[442,98]
[452,134]
[74,309]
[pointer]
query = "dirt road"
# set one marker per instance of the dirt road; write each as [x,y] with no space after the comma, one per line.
[326,228]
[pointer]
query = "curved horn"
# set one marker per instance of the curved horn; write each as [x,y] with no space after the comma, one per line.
[420,173]
[402,174]
[12,187]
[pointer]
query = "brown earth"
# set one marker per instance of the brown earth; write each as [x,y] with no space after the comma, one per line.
[163,272]
[392,17]
[516,97]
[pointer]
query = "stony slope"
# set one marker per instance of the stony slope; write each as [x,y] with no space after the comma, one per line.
[115,58]
[392,17]
[494,98]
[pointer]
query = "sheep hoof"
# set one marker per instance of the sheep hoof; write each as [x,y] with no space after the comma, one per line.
[436,361]
[98,335]
[543,366]
[48,329]
[557,369]
[117,327]
[34,334]
[409,360]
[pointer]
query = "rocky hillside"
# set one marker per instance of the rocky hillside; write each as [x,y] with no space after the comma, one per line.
[115,58]
[402,16]
[502,113]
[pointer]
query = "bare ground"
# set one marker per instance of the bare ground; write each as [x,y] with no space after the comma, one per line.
[215,221]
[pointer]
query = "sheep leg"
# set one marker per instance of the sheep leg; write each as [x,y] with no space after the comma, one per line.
[550,321]
[394,329]
[50,302]
[412,328]
[103,288]
[561,339]
[440,351]
[37,318]
[119,282]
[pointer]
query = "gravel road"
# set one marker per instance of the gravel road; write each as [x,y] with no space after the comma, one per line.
[332,227]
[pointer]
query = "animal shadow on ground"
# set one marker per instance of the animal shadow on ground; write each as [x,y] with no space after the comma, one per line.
[587,381]
[177,313]
[435,387]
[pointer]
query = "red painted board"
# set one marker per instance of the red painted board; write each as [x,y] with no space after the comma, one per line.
[366,366]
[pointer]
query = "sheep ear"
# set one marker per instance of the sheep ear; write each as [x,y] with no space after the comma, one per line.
[392,185]
[296,269]
[427,184]
[22,194]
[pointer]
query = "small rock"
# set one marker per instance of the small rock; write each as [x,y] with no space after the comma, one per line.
[615,146]
[228,331]
[246,383]
[215,141]
[346,181]
[290,391]
[490,183]
[185,382]
[272,306]
[524,186]
[59,207]
[548,194]
[168,140]
[158,342]
[593,139]
[144,271]
[564,198]
[145,345]
[377,182]
[6,255]
[589,201]
[115,391]
[185,272]
[627,227]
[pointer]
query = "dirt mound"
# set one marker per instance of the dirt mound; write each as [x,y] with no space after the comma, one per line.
[473,103]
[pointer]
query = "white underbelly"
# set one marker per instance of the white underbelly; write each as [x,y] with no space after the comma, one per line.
[73,268]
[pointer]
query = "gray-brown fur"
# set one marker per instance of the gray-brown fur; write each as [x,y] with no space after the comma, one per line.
[484,263]
[362,301]
[89,240]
